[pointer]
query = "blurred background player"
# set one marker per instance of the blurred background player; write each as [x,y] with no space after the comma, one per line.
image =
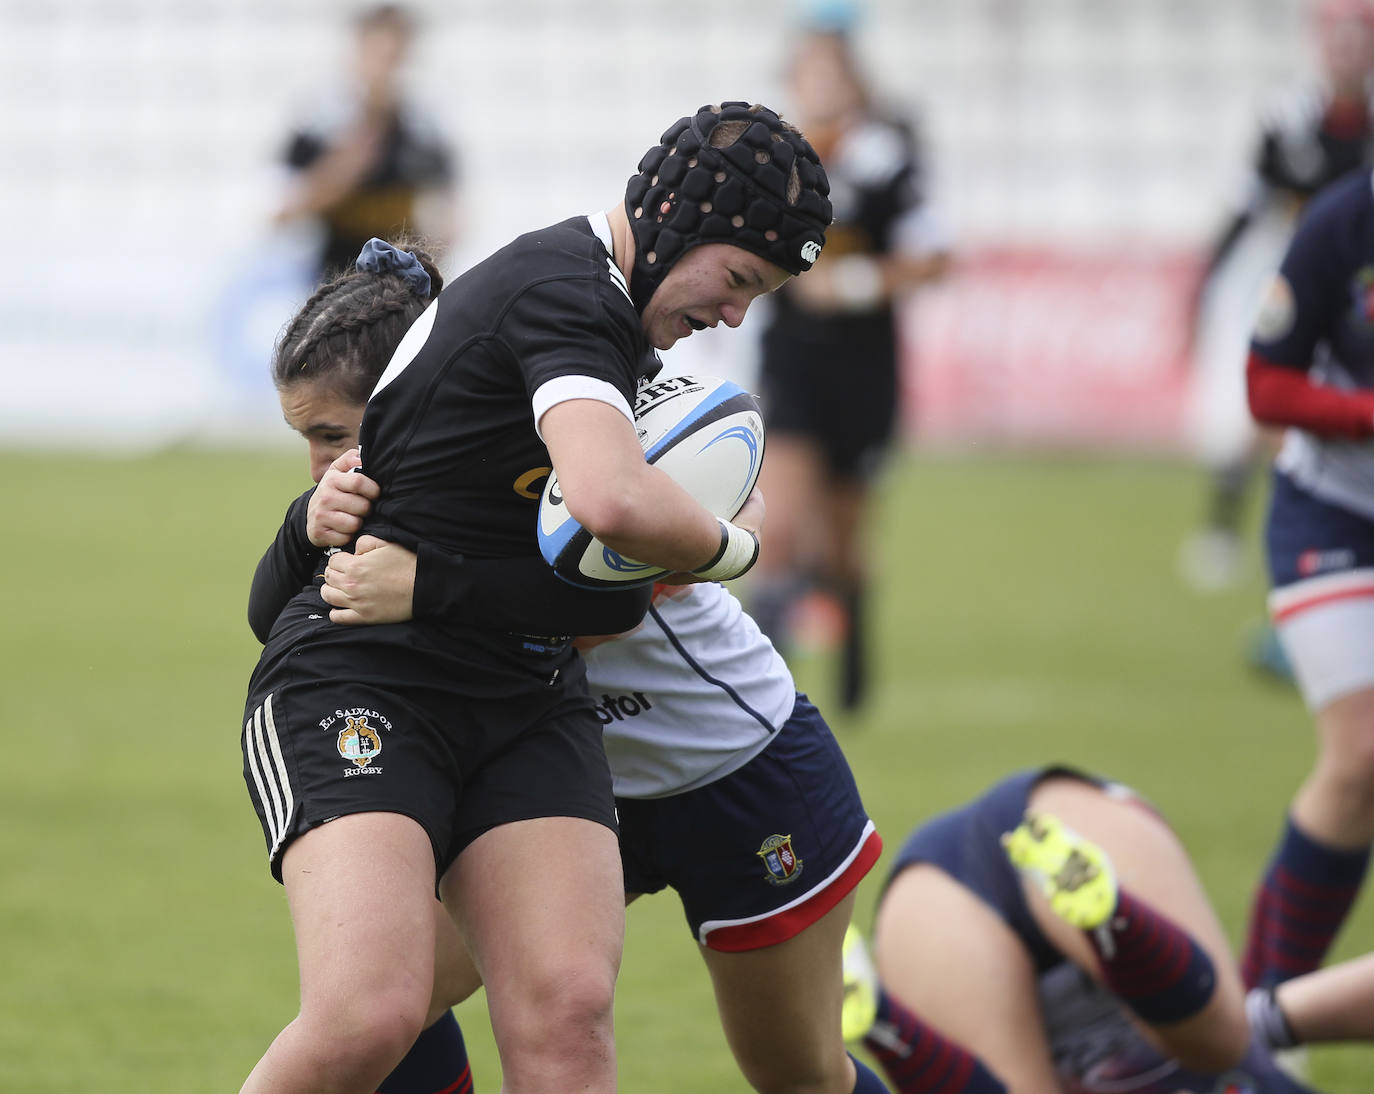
[1055,928]
[830,352]
[366,160]
[1311,370]
[1311,133]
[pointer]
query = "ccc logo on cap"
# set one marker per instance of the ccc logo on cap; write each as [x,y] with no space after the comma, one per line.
[811,250]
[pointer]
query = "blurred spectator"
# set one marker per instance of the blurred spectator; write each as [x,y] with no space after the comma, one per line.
[1310,134]
[830,352]
[365,161]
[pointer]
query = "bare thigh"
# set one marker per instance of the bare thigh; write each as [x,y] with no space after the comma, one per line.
[360,890]
[540,904]
[364,923]
[789,994]
[947,956]
[791,481]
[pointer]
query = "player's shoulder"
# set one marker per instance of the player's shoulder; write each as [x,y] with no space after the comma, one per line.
[1294,108]
[567,266]
[325,112]
[877,151]
[567,251]
[1343,206]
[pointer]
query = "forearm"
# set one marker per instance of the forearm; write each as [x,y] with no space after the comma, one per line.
[631,506]
[518,594]
[660,523]
[286,567]
[1332,1004]
[1282,396]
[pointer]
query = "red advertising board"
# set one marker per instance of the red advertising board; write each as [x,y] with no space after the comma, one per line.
[1053,348]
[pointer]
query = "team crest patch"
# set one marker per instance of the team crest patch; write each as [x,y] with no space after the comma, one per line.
[780,860]
[359,742]
[359,738]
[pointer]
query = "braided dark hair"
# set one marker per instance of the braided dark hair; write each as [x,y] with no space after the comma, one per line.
[347,331]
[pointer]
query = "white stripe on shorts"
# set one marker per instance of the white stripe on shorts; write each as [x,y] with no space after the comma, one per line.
[1326,625]
[1314,592]
[263,749]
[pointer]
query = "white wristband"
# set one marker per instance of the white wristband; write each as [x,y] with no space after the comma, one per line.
[739,550]
[857,282]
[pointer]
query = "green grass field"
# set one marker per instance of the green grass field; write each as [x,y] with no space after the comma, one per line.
[1029,611]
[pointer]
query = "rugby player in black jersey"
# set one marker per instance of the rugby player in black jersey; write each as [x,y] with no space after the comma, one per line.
[829,375]
[388,761]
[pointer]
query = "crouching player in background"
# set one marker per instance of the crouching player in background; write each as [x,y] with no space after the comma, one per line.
[730,787]
[1055,928]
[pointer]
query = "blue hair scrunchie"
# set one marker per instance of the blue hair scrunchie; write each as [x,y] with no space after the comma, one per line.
[378,256]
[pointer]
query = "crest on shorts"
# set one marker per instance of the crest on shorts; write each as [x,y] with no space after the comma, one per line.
[780,860]
[358,741]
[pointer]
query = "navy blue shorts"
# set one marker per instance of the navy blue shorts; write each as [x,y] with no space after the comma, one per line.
[966,843]
[758,855]
[1305,537]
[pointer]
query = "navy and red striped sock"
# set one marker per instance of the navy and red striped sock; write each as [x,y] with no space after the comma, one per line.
[1300,905]
[436,1064]
[918,1060]
[1151,964]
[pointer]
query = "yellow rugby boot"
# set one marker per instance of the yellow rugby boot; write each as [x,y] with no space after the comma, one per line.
[1073,873]
[860,988]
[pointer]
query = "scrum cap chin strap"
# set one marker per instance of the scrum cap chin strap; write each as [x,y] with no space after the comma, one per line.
[688,193]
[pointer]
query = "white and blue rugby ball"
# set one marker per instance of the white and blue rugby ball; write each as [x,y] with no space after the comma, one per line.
[704,431]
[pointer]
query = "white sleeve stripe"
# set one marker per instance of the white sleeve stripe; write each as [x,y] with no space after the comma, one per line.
[562,389]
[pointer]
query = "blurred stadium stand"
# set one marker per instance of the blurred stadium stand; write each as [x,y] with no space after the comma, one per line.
[142,289]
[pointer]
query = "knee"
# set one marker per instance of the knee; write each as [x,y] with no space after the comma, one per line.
[1221,1047]
[806,1071]
[1346,766]
[566,1012]
[369,1036]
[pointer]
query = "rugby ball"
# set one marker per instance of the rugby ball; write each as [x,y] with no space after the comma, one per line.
[704,431]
